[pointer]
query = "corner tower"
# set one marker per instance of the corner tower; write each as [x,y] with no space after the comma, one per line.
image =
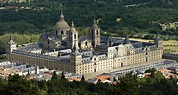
[75,56]
[94,33]
[61,28]
[10,46]
[73,37]
[158,41]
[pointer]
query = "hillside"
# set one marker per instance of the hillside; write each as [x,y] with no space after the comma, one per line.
[136,16]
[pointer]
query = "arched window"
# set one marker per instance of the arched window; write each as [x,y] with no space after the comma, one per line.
[75,36]
[86,43]
[48,41]
[62,32]
[97,32]
[92,32]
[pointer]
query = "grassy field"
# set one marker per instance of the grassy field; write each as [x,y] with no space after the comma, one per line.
[170,42]
[169,46]
[141,40]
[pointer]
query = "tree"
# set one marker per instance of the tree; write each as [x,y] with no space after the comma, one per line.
[62,75]
[153,70]
[83,78]
[20,86]
[114,79]
[128,84]
[55,76]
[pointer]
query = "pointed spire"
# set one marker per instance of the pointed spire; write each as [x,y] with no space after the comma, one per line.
[157,37]
[126,40]
[157,34]
[109,41]
[61,16]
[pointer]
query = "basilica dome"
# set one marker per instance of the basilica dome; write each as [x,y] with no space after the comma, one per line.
[61,24]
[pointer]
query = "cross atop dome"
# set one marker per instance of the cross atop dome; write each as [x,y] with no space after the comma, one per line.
[94,21]
[72,25]
[61,16]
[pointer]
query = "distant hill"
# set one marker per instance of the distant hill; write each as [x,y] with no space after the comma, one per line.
[135,16]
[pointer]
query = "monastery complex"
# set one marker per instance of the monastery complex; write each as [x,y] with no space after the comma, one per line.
[65,50]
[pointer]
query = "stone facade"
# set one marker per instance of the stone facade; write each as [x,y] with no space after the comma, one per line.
[66,51]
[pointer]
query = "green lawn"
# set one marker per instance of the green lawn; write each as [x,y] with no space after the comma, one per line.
[172,45]
[170,42]
[141,40]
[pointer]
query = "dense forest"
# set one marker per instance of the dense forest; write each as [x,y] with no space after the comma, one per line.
[156,84]
[114,16]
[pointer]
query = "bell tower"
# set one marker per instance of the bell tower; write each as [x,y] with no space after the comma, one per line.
[10,46]
[73,37]
[94,33]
